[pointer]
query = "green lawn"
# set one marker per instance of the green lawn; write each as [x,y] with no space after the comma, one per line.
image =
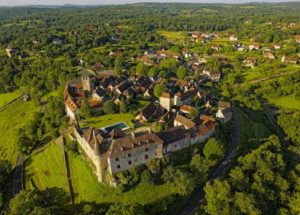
[8,97]
[13,117]
[87,188]
[174,35]
[108,119]
[46,169]
[286,102]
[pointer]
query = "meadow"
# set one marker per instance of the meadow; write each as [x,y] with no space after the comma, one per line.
[45,169]
[13,117]
[286,102]
[5,98]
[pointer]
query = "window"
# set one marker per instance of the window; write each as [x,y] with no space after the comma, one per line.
[174,145]
[146,157]
[129,162]
[117,159]
[146,149]
[119,166]
[129,155]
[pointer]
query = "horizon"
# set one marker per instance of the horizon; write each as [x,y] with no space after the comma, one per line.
[13,3]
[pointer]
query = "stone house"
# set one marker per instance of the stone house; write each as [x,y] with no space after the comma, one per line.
[165,101]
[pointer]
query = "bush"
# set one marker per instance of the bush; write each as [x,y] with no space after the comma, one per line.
[147,177]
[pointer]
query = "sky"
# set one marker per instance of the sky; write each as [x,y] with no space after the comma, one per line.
[98,2]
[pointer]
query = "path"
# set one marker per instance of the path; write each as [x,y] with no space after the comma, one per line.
[195,201]
[18,176]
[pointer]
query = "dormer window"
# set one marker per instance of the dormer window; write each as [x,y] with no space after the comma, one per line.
[117,159]
[129,155]
[146,149]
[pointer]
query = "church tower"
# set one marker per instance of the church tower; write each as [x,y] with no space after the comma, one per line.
[97,159]
[87,83]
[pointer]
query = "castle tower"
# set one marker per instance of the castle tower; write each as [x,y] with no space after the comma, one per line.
[97,159]
[87,83]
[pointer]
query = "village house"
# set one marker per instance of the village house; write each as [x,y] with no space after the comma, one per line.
[250,62]
[214,47]
[233,37]
[186,109]
[297,38]
[9,51]
[213,75]
[269,55]
[290,59]
[151,111]
[224,113]
[254,46]
[181,120]
[276,46]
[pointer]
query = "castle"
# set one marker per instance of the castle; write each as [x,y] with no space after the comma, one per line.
[116,151]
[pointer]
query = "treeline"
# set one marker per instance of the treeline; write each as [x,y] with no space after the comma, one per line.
[264,181]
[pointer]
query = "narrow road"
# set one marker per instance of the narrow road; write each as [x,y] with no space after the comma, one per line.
[18,177]
[196,200]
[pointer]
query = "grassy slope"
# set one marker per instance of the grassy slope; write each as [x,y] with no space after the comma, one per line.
[8,97]
[12,118]
[286,102]
[87,188]
[46,169]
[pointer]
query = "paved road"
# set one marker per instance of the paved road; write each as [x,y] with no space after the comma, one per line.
[195,201]
[18,177]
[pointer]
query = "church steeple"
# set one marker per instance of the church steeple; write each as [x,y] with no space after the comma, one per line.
[87,83]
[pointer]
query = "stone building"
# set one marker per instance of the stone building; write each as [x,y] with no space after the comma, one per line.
[165,101]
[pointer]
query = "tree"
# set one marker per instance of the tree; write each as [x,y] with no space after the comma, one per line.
[158,90]
[159,127]
[109,107]
[140,69]
[125,209]
[194,113]
[213,150]
[152,72]
[218,197]
[49,201]
[85,110]
[181,72]
[118,70]
[147,177]
[123,107]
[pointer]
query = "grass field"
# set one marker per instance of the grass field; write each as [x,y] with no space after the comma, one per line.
[46,169]
[8,97]
[250,128]
[87,188]
[174,35]
[13,117]
[286,102]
